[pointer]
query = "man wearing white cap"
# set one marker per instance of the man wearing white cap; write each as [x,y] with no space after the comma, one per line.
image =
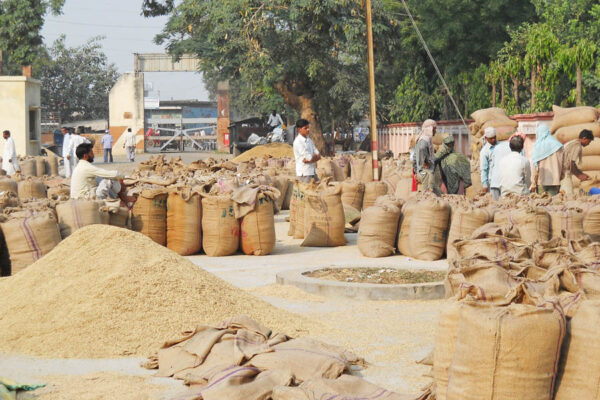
[489,159]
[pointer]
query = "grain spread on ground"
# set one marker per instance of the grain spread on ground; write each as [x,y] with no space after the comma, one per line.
[377,275]
[106,291]
[275,150]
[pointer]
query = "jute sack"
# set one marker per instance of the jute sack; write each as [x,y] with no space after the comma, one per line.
[488,114]
[500,123]
[325,168]
[293,209]
[341,169]
[533,224]
[593,149]
[465,220]
[257,235]
[184,222]
[287,195]
[281,183]
[493,248]
[378,230]
[221,230]
[9,185]
[566,223]
[120,218]
[568,133]
[372,191]
[40,166]
[52,165]
[32,189]
[353,193]
[476,186]
[392,178]
[28,167]
[404,245]
[487,280]
[590,163]
[428,229]
[29,239]
[404,186]
[324,221]
[591,223]
[590,256]
[61,192]
[579,368]
[445,341]
[149,215]
[572,116]
[494,359]
[300,206]
[75,214]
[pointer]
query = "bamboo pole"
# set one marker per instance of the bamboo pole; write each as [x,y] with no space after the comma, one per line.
[373,115]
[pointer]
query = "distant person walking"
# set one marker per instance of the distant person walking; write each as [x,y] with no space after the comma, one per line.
[548,164]
[423,156]
[305,153]
[129,145]
[572,158]
[10,162]
[76,140]
[68,163]
[107,142]
[514,171]
[274,120]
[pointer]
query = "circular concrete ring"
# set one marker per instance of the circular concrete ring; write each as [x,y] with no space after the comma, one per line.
[360,291]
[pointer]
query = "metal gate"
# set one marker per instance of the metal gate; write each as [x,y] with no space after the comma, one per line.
[175,136]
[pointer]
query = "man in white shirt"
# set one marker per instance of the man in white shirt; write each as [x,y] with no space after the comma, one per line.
[68,163]
[89,181]
[305,153]
[514,170]
[274,120]
[129,145]
[107,142]
[76,140]
[10,162]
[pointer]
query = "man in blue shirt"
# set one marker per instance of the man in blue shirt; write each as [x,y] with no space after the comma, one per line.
[489,158]
[107,142]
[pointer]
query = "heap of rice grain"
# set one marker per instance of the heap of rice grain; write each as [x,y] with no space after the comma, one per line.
[275,150]
[106,291]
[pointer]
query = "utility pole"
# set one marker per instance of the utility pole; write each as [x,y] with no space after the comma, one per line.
[373,114]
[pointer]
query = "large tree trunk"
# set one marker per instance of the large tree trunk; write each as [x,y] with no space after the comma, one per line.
[579,89]
[502,92]
[493,94]
[516,92]
[533,78]
[300,99]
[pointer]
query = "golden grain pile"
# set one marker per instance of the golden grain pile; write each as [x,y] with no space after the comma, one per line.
[106,291]
[275,150]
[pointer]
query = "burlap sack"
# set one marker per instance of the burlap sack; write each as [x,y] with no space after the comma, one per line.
[257,236]
[353,193]
[590,163]
[568,133]
[52,165]
[324,221]
[572,116]
[28,167]
[8,185]
[488,114]
[404,245]
[184,222]
[300,206]
[293,209]
[287,196]
[341,169]
[593,149]
[501,124]
[40,166]
[566,223]
[445,342]
[32,189]
[242,383]
[75,214]
[29,239]
[372,191]
[392,178]
[120,218]
[404,186]
[476,186]
[60,192]
[487,280]
[149,215]
[579,368]
[465,220]
[493,248]
[220,228]
[280,183]
[495,359]
[533,224]
[378,230]
[325,168]
[428,229]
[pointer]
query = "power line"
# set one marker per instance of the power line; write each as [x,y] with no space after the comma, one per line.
[434,63]
[102,25]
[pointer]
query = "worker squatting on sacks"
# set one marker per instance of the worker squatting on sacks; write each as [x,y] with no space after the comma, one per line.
[88,181]
[305,153]
[10,162]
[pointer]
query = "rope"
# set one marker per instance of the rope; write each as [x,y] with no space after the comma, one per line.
[434,63]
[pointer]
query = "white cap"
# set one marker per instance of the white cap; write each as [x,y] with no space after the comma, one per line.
[489,132]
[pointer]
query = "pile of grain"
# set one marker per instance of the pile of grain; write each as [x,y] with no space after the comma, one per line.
[106,291]
[275,150]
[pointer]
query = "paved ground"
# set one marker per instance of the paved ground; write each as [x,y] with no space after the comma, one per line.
[390,335]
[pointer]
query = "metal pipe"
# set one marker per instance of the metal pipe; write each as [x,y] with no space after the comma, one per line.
[373,115]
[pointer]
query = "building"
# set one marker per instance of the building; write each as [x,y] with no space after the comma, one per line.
[20,102]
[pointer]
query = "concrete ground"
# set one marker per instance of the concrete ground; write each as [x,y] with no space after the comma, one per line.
[390,335]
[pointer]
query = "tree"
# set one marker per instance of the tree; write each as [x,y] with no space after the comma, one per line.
[21,22]
[76,80]
[310,52]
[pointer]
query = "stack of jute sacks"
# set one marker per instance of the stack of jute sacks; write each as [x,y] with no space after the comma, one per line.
[521,319]
[490,118]
[568,124]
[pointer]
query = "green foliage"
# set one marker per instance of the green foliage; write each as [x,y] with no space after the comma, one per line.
[76,80]
[21,22]
[413,101]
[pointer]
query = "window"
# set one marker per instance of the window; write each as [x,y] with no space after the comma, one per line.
[33,128]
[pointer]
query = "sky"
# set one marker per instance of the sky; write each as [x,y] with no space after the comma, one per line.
[126,32]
